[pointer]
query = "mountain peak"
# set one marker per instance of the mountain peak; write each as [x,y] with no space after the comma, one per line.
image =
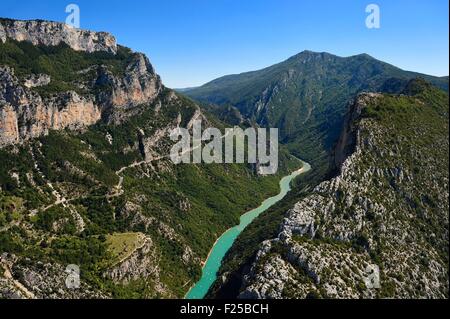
[309,53]
[363,55]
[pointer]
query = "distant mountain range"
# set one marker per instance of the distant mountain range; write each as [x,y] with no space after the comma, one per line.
[307,95]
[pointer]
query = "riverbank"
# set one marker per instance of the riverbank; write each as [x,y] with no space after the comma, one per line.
[226,240]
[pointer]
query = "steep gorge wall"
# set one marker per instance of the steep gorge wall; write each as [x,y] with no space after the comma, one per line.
[24,114]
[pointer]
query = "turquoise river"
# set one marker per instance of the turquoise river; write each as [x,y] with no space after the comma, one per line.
[224,243]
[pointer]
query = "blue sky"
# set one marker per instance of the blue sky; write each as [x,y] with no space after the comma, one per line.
[191,42]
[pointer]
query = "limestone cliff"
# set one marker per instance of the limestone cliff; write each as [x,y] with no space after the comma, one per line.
[49,33]
[139,84]
[24,114]
[78,97]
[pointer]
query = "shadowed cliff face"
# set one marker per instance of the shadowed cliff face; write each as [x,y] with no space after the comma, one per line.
[24,114]
[347,141]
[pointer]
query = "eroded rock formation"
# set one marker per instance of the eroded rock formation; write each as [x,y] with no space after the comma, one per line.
[101,91]
[54,33]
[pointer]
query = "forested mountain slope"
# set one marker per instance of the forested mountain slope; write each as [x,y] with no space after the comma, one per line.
[388,207]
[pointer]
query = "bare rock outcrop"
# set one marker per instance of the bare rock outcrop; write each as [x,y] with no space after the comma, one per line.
[37,80]
[24,114]
[140,84]
[54,33]
[101,91]
[22,279]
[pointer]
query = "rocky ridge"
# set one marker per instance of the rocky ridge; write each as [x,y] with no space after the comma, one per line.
[99,91]
[50,33]
[42,280]
[386,210]
[24,114]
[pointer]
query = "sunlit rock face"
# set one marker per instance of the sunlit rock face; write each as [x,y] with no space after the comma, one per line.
[54,33]
[106,93]
[139,84]
[24,114]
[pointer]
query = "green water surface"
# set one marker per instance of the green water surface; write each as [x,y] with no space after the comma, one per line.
[224,243]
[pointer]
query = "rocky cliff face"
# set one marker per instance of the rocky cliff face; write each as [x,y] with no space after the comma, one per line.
[80,197]
[140,84]
[25,115]
[99,91]
[386,210]
[346,144]
[49,33]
